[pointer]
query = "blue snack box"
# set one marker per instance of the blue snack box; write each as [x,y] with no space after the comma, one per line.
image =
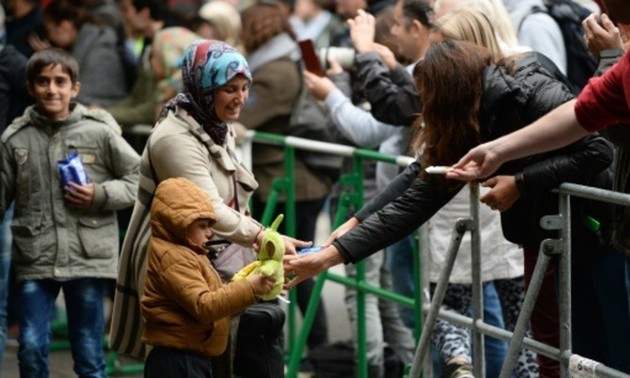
[72,169]
[304,251]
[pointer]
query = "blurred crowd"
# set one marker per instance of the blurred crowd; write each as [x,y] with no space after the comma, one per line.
[369,94]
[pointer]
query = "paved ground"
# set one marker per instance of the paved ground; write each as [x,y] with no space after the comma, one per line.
[61,360]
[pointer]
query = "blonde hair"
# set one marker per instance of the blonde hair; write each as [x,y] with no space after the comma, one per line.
[471,26]
[493,9]
[225,19]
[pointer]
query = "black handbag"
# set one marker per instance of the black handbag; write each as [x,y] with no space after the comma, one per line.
[260,342]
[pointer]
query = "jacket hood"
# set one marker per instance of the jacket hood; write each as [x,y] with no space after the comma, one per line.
[178,202]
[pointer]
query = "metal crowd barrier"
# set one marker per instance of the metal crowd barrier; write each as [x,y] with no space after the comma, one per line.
[571,364]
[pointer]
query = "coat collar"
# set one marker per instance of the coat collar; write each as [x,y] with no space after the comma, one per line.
[224,156]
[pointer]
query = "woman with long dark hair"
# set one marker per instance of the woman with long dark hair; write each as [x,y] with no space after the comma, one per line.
[467,100]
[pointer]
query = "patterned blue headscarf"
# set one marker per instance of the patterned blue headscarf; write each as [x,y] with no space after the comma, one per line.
[207,65]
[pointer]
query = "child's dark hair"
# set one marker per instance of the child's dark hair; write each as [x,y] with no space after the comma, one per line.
[52,56]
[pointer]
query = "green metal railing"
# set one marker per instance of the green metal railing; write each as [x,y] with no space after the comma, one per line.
[351,197]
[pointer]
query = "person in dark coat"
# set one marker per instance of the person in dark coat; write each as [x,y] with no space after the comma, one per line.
[507,97]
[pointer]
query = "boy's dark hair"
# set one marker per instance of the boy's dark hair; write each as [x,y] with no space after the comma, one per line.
[157,8]
[52,56]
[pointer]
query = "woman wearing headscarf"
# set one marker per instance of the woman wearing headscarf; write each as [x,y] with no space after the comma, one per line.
[194,139]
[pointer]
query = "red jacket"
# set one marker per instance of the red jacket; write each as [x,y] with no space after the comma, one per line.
[605,101]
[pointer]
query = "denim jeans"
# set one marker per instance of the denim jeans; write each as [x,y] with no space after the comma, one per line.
[84,308]
[495,349]
[400,262]
[5,263]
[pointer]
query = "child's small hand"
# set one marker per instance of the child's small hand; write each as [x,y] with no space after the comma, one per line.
[261,284]
[79,196]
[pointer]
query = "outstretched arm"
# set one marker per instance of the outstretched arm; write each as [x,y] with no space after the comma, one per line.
[391,223]
[557,129]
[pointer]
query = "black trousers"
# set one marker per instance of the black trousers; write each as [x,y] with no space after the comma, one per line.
[170,362]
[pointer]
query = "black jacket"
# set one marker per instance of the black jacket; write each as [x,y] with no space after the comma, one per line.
[13,95]
[510,102]
[392,94]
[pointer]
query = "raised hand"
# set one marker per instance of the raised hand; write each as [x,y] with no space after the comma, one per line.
[319,87]
[362,30]
[387,56]
[601,35]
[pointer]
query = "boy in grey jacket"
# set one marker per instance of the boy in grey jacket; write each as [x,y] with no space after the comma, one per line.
[65,234]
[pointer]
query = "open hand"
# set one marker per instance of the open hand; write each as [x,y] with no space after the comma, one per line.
[478,163]
[299,268]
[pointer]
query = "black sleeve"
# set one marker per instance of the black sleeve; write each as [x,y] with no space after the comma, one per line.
[395,221]
[391,192]
[392,95]
[577,163]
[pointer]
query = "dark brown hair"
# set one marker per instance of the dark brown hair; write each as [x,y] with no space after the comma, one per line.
[67,10]
[449,81]
[52,56]
[261,22]
[420,10]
